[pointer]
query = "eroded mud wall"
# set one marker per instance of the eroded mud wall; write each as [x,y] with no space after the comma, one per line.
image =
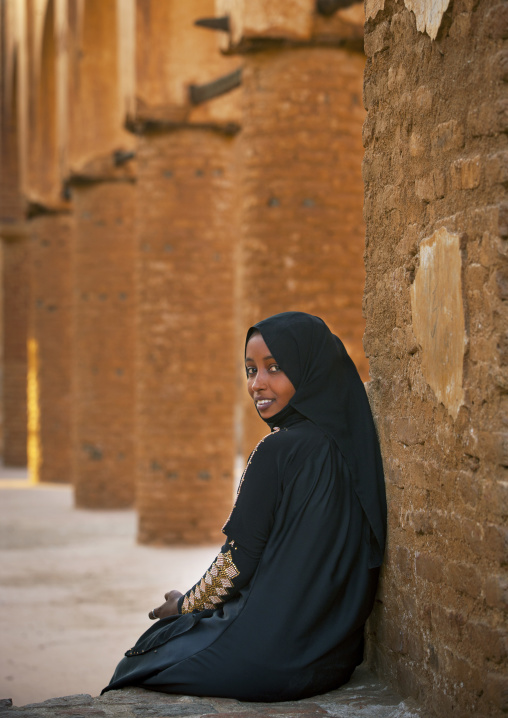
[435,205]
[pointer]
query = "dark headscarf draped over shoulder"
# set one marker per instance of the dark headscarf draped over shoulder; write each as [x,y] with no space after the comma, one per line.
[331,394]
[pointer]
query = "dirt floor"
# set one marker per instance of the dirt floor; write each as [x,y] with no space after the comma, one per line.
[75,589]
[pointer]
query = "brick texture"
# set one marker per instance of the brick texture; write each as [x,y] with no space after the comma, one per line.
[15,274]
[16,267]
[302,231]
[435,142]
[51,328]
[104,353]
[186,387]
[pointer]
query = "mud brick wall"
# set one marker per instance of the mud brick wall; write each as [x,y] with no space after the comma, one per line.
[302,230]
[436,169]
[186,389]
[50,322]
[104,327]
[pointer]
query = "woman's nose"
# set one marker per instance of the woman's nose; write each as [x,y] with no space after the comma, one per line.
[259,380]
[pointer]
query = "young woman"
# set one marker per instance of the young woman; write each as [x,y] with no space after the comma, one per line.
[280,613]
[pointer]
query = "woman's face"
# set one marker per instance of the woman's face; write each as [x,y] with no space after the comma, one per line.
[267,384]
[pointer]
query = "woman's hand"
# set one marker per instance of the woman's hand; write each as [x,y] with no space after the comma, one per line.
[170,608]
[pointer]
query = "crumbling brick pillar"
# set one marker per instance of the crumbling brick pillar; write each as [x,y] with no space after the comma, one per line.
[50,345]
[104,347]
[186,386]
[436,305]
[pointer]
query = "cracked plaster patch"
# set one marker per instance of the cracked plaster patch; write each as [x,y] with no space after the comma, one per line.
[428,13]
[438,317]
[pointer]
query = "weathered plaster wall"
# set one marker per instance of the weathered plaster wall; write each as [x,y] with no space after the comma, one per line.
[435,175]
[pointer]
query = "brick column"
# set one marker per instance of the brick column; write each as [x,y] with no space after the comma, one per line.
[16,291]
[186,371]
[15,272]
[302,231]
[104,302]
[51,351]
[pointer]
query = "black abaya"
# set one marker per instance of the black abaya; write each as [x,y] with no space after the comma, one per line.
[303,560]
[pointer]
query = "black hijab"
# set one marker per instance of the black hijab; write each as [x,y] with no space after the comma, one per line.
[330,393]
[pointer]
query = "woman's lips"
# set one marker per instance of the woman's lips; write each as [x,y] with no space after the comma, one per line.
[263,403]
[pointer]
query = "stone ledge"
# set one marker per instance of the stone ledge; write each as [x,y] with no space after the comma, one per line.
[364,696]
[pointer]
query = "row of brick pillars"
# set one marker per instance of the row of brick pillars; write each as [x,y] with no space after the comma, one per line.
[168,246]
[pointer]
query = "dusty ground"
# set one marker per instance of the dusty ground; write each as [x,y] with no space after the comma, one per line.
[74,593]
[75,589]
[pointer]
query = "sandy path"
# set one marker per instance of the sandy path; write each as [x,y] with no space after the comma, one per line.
[75,590]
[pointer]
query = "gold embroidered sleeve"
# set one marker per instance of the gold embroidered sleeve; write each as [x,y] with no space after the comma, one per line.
[214,587]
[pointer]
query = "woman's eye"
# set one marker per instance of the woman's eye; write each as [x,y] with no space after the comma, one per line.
[250,370]
[274,368]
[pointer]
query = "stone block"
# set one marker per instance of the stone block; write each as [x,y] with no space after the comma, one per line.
[496,169]
[496,22]
[473,535]
[461,26]
[461,669]
[499,64]
[466,173]
[417,145]
[431,186]
[496,543]
[469,488]
[492,642]
[447,136]
[429,567]
[488,118]
[496,690]
[496,591]
[377,40]
[502,283]
[496,496]
[464,578]
[424,98]
[503,220]
[447,623]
